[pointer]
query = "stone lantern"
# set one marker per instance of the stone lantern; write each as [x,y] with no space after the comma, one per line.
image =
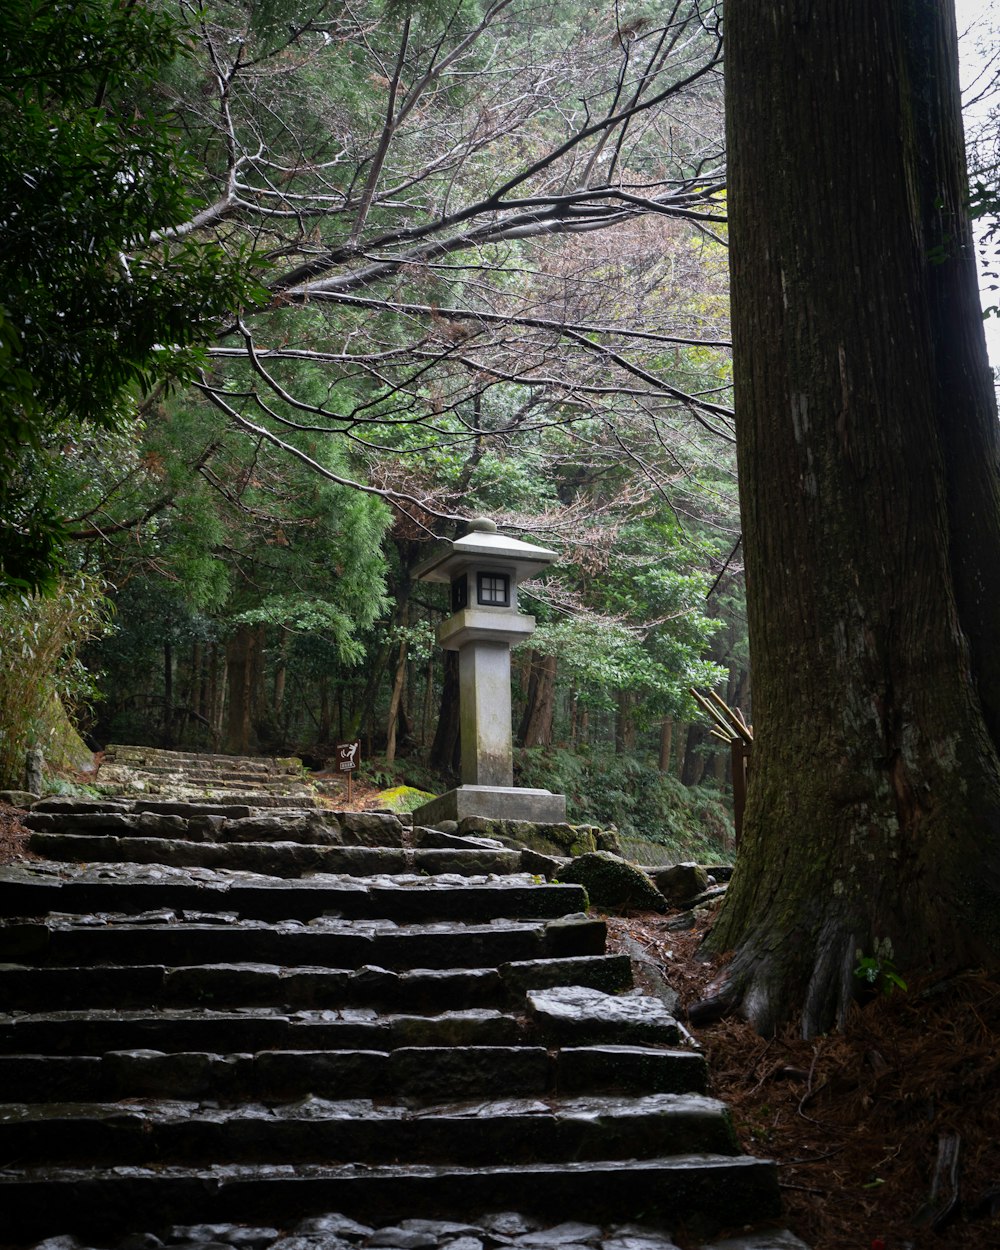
[483,570]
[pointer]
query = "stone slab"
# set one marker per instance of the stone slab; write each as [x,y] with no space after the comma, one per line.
[494,803]
[672,1189]
[568,1014]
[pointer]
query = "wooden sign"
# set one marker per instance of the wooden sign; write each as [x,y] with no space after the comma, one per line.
[348,758]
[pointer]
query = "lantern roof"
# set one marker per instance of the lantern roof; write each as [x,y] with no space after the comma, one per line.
[483,547]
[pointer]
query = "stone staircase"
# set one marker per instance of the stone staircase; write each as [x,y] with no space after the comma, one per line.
[262,780]
[219,1017]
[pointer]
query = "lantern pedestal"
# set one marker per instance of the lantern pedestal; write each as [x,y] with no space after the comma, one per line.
[494,803]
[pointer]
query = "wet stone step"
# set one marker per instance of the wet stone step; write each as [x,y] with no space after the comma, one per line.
[328,942]
[96,1031]
[514,1229]
[423,989]
[321,1130]
[670,1189]
[278,859]
[34,890]
[578,1015]
[215,824]
[413,1075]
[127,753]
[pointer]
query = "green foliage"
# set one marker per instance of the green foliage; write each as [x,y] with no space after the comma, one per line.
[878,972]
[630,793]
[39,668]
[97,310]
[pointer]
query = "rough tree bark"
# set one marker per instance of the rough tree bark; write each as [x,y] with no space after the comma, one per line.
[535,729]
[446,753]
[243,664]
[867,445]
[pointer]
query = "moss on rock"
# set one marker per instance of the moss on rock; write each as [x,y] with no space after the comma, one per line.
[613,882]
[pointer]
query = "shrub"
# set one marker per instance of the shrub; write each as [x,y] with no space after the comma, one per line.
[40,675]
[694,822]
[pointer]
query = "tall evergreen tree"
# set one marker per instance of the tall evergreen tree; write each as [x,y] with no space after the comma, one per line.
[870,478]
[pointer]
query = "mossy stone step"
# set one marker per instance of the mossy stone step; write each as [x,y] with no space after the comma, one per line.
[279,859]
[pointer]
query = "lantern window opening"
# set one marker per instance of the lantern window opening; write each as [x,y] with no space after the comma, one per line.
[460,593]
[493,590]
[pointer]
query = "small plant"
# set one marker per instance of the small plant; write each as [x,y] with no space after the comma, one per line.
[878,971]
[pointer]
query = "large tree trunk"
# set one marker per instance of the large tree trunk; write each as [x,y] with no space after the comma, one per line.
[446,752]
[536,723]
[243,657]
[874,807]
[396,699]
[695,759]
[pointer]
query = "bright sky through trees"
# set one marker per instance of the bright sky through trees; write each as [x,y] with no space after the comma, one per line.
[975,18]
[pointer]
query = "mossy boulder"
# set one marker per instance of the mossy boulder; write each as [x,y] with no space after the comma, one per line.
[608,840]
[550,839]
[613,883]
[681,882]
[403,798]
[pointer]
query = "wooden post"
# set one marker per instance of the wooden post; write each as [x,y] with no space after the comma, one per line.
[740,749]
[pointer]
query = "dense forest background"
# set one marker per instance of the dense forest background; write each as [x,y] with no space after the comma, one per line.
[336,278]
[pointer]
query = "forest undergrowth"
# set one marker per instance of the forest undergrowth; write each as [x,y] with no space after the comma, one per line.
[856,1120]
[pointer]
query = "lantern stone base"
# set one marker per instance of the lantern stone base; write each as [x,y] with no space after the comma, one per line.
[494,803]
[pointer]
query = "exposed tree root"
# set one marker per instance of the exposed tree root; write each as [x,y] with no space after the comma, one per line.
[854,1118]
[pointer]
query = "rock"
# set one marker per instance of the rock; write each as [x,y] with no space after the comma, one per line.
[313,828]
[549,839]
[34,769]
[681,883]
[200,1233]
[776,1239]
[471,826]
[508,1223]
[609,840]
[402,1239]
[373,828]
[251,1238]
[334,1225]
[431,837]
[18,798]
[613,882]
[547,866]
[579,1016]
[561,1235]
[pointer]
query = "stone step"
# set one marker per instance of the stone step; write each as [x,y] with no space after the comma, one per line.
[631,1019]
[279,859]
[316,1130]
[424,989]
[33,889]
[674,1189]
[216,1012]
[193,761]
[413,1075]
[327,942]
[98,1030]
[213,823]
